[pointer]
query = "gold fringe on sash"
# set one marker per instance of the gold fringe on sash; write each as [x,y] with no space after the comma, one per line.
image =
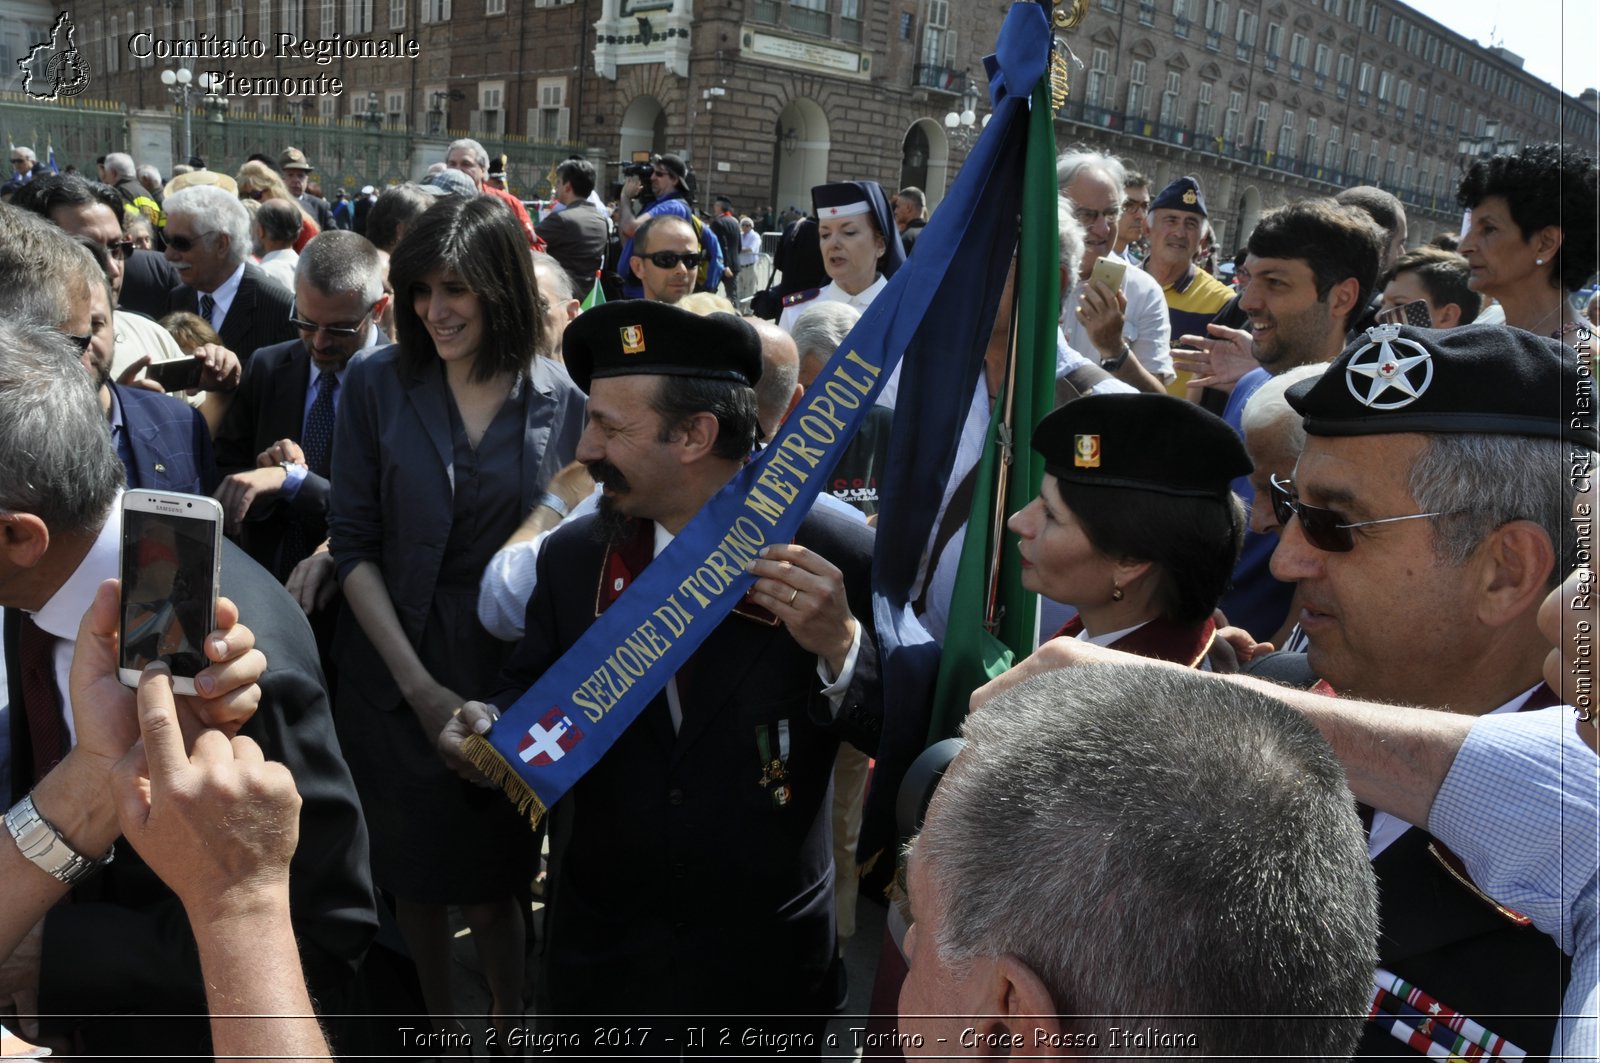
[488,760]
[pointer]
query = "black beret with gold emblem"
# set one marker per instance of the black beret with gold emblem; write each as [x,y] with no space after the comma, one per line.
[634,337]
[1480,379]
[1147,442]
[1182,194]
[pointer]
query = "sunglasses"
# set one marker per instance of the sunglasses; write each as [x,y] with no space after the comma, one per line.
[1324,529]
[341,331]
[183,244]
[670,259]
[120,250]
[80,342]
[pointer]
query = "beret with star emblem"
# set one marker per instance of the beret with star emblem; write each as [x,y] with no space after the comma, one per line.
[1480,379]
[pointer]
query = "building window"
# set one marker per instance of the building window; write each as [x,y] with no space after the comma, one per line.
[1181,17]
[1169,98]
[553,121]
[1402,98]
[397,14]
[1216,23]
[435,10]
[1147,13]
[113,51]
[330,18]
[1258,136]
[1136,89]
[1364,86]
[1389,167]
[1352,161]
[1298,46]
[358,16]
[811,16]
[850,26]
[1309,153]
[1330,153]
[1347,67]
[1286,136]
[494,7]
[490,116]
[934,30]
[1202,112]
[1372,162]
[396,108]
[1099,65]
[1244,33]
[1274,45]
[1422,104]
[1230,119]
[1323,65]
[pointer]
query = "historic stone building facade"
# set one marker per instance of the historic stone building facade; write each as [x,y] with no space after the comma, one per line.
[1263,100]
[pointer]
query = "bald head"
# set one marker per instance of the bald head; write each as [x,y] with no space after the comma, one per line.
[779,388]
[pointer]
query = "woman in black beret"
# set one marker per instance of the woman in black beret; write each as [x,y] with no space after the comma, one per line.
[1135,524]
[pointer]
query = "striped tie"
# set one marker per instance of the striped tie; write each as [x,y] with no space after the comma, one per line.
[208,306]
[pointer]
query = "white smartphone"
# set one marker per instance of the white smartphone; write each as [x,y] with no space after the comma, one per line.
[1109,272]
[171,564]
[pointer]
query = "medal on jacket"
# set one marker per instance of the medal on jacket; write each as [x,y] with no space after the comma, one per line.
[774,769]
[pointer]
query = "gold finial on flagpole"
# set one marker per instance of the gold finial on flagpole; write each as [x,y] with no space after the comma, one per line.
[1066,16]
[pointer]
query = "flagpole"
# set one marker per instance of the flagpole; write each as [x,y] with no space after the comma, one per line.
[1003,473]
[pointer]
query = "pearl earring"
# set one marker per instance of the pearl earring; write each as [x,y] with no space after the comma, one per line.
[1538,262]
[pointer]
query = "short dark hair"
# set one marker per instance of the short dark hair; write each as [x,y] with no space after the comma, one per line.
[1444,274]
[1194,542]
[479,240]
[1544,185]
[279,219]
[733,405]
[579,173]
[1135,179]
[641,235]
[397,208]
[1381,206]
[1336,241]
[44,194]
[1447,241]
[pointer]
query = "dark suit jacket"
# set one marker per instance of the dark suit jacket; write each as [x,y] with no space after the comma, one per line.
[170,442]
[319,209]
[124,946]
[393,482]
[576,237]
[269,406]
[147,283]
[258,316]
[737,914]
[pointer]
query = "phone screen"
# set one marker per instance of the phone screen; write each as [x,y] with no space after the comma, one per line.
[169,582]
[178,374]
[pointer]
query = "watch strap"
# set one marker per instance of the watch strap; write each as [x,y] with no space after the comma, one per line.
[42,844]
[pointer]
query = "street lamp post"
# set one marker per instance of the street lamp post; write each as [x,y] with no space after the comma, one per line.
[964,124]
[710,96]
[183,88]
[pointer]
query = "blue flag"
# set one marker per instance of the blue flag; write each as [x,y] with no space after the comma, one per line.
[937,311]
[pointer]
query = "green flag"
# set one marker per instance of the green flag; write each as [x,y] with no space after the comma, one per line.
[596,296]
[973,653]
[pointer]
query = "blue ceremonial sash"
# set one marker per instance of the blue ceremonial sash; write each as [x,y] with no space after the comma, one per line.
[940,302]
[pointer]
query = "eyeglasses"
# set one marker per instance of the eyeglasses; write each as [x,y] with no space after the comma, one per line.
[670,259]
[80,342]
[340,331]
[1088,218]
[18,162]
[120,250]
[1324,529]
[1134,206]
[183,244]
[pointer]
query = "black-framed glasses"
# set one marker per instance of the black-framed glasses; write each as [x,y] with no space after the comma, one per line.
[1324,529]
[670,259]
[183,244]
[344,332]
[80,342]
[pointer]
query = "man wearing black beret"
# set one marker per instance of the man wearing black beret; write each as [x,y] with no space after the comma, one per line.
[1427,519]
[691,869]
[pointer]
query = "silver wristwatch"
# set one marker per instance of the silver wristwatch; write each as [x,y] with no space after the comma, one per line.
[42,844]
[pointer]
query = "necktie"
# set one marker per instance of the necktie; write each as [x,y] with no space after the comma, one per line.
[41,701]
[208,306]
[316,441]
[318,437]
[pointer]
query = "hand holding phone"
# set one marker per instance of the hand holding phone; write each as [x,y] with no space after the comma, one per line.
[1109,271]
[179,374]
[1414,313]
[171,561]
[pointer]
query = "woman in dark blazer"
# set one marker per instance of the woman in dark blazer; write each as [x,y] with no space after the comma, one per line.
[444,443]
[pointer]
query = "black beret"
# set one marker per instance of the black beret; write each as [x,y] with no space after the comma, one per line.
[1481,379]
[1182,194]
[1149,442]
[638,336]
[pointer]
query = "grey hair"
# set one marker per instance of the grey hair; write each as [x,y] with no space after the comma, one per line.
[26,153]
[339,261]
[1481,482]
[1152,842]
[146,172]
[819,330]
[478,154]
[120,164]
[215,211]
[56,457]
[1073,163]
[780,372]
[41,269]
[1069,236]
[1268,410]
[545,266]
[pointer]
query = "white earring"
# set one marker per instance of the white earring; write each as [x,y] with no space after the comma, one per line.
[1538,262]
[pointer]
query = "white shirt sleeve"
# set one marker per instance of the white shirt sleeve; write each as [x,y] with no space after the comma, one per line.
[510,578]
[1147,325]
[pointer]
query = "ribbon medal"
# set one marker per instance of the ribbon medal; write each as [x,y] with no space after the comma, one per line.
[775,769]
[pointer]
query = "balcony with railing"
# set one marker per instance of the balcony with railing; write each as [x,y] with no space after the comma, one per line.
[1297,71]
[1270,63]
[1147,14]
[1213,41]
[1180,28]
[1243,51]
[805,20]
[939,78]
[1319,82]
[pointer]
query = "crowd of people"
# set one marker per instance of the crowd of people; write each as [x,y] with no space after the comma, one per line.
[1294,776]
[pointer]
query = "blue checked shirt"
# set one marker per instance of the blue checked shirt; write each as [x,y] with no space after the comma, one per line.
[1521,807]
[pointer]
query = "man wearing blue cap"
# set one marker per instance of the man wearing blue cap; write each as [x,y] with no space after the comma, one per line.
[1427,519]
[1177,219]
